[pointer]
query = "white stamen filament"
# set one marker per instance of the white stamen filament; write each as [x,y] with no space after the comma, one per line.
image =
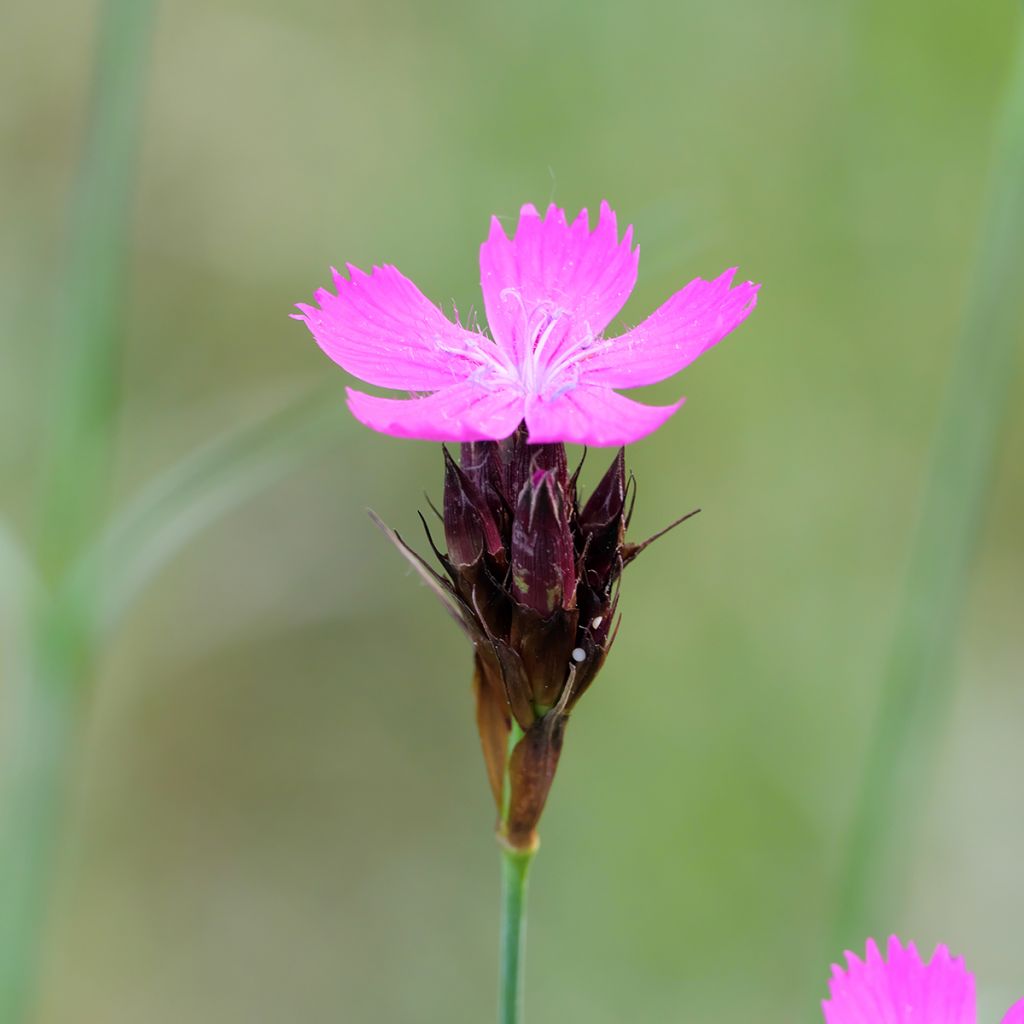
[490,358]
[523,366]
[533,362]
[575,354]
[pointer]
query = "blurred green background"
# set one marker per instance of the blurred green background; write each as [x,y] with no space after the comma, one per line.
[280,811]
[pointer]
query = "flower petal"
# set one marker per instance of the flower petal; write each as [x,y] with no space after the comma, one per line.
[594,416]
[903,989]
[382,328]
[582,275]
[1015,1014]
[462,412]
[673,336]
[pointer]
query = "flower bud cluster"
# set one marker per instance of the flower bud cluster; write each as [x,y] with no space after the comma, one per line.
[532,578]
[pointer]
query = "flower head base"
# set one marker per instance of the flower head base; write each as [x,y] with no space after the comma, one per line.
[532,579]
[549,293]
[901,988]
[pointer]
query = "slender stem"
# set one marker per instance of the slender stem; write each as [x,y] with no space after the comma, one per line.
[918,686]
[515,866]
[41,707]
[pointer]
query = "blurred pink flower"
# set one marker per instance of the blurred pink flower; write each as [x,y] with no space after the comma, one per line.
[548,294]
[903,989]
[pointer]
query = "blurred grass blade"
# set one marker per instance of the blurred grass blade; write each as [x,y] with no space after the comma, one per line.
[919,681]
[90,290]
[42,698]
[17,574]
[19,592]
[195,492]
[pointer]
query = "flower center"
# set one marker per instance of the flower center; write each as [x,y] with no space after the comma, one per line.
[542,356]
[549,343]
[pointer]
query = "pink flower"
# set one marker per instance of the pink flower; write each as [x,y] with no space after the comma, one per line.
[904,989]
[548,293]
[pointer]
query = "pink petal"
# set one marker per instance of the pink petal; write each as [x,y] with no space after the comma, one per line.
[585,277]
[674,335]
[1015,1014]
[461,412]
[901,990]
[594,416]
[382,328]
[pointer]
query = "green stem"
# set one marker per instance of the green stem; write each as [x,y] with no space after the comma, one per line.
[918,686]
[41,705]
[515,866]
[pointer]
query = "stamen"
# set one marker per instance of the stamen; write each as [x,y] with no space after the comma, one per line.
[568,386]
[514,292]
[493,363]
[532,335]
[533,361]
[576,353]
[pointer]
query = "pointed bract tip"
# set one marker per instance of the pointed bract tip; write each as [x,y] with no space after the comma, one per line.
[630,551]
[607,502]
[469,526]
